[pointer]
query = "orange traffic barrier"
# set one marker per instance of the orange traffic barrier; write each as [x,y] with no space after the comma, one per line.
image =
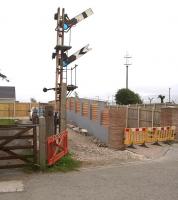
[57,147]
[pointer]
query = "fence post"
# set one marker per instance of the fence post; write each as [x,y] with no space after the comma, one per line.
[49,118]
[99,115]
[138,112]
[42,143]
[89,110]
[14,110]
[127,116]
[152,117]
[63,123]
[35,151]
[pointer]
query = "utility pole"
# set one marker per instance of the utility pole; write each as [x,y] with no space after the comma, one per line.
[169,95]
[127,64]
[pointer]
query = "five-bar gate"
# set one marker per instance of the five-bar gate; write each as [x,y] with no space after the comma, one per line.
[18,145]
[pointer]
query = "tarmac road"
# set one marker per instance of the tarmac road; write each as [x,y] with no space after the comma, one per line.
[144,180]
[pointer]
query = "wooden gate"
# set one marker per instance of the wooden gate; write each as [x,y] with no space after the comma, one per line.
[18,145]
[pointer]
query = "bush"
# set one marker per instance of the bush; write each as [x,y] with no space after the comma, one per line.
[126,96]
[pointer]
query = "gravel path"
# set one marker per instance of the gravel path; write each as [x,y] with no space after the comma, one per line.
[85,150]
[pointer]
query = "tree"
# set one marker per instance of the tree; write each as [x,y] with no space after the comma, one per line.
[125,96]
[33,100]
[161,97]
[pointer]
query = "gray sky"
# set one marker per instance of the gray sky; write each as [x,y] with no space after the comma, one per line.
[147,29]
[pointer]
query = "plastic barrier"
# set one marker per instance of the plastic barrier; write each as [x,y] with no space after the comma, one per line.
[57,147]
[148,135]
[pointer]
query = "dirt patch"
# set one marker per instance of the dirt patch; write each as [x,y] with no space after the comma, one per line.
[85,150]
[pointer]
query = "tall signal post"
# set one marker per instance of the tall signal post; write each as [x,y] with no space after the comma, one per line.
[60,85]
[127,64]
[64,24]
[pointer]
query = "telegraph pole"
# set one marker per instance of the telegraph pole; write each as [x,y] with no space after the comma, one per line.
[127,64]
[169,95]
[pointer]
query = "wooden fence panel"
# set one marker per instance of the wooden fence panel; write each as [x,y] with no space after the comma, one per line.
[141,117]
[132,118]
[145,118]
[6,110]
[16,109]
[22,109]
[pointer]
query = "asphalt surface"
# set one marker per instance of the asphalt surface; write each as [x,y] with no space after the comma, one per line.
[144,180]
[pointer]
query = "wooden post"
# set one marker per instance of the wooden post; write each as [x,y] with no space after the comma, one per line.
[35,145]
[152,117]
[138,120]
[42,143]
[49,120]
[89,110]
[14,110]
[127,116]
[63,119]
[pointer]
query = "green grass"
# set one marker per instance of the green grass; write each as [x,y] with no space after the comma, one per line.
[7,122]
[65,164]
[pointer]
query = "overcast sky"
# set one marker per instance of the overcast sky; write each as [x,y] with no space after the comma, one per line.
[147,29]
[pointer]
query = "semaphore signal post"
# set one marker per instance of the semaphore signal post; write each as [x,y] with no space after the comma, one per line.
[62,88]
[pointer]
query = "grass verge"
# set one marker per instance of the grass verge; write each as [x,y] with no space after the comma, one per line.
[65,164]
[7,122]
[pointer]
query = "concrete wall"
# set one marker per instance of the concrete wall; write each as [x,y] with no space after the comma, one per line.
[94,127]
[169,117]
[116,127]
[108,126]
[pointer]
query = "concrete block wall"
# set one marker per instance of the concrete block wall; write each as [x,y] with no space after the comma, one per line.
[169,117]
[111,134]
[116,120]
[84,119]
[116,128]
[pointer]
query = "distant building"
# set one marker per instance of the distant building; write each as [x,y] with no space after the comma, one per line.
[7,94]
